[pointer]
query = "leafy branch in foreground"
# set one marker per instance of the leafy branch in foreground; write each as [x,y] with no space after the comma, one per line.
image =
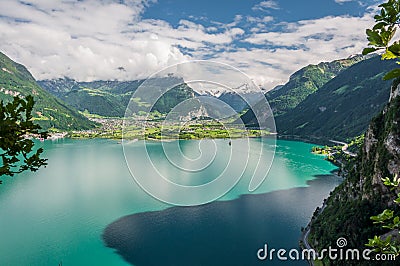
[389,221]
[381,35]
[16,150]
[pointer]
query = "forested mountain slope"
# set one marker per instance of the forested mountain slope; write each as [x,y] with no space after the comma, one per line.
[49,112]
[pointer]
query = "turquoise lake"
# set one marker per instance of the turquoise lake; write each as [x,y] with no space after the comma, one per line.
[60,213]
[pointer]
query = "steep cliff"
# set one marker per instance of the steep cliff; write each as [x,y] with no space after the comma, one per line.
[110,98]
[362,194]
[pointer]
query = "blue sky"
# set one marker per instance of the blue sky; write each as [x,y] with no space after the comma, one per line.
[225,10]
[95,39]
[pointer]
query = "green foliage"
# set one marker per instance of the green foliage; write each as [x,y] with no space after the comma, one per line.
[344,216]
[350,206]
[321,150]
[17,151]
[385,215]
[383,245]
[388,221]
[381,35]
[392,184]
[356,144]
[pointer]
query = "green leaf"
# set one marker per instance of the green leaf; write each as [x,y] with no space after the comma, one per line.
[395,48]
[397,200]
[386,181]
[380,25]
[374,38]
[369,50]
[385,215]
[383,12]
[387,35]
[388,55]
[395,73]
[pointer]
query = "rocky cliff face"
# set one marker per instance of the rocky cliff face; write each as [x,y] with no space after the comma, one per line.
[363,194]
[394,92]
[380,155]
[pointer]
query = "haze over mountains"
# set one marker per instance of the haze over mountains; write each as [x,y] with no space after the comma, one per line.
[329,100]
[110,98]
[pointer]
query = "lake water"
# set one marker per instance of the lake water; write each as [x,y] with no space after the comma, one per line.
[86,199]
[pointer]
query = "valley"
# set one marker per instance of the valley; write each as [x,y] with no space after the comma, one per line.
[144,132]
[155,129]
[344,105]
[331,103]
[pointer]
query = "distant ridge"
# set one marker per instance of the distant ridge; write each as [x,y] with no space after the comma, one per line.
[110,98]
[301,84]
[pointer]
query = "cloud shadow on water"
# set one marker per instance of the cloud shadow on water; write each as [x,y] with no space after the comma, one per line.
[221,232]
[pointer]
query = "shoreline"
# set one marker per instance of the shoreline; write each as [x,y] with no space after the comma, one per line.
[305,231]
[136,228]
[69,135]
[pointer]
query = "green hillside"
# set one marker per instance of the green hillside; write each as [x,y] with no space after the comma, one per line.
[49,111]
[343,107]
[305,82]
[301,84]
[110,98]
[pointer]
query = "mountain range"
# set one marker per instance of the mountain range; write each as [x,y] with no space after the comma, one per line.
[306,81]
[301,84]
[319,102]
[238,100]
[329,100]
[111,98]
[333,100]
[344,106]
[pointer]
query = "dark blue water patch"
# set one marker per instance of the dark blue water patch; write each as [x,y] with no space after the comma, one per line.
[221,232]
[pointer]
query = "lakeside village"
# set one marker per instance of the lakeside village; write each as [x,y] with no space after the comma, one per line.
[145,128]
[341,154]
[155,129]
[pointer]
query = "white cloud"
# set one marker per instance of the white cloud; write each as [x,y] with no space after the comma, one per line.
[339,31]
[305,42]
[265,6]
[343,1]
[90,39]
[265,19]
[84,40]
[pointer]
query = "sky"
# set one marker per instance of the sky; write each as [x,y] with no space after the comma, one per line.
[131,39]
